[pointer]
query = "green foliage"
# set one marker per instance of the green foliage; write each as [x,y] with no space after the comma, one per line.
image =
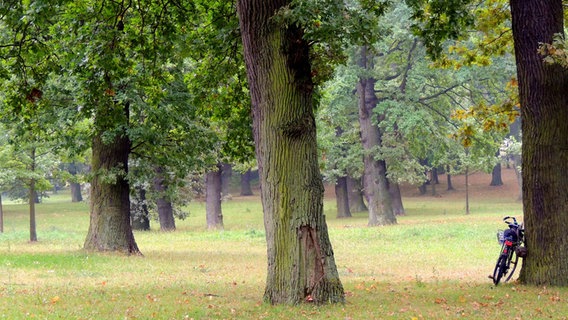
[422,110]
[440,20]
[555,52]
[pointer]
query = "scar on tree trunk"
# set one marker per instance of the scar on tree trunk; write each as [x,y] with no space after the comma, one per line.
[315,271]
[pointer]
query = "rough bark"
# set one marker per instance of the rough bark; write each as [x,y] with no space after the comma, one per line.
[109,228]
[515,129]
[544,111]
[375,180]
[246,189]
[301,264]
[164,205]
[356,196]
[213,210]
[342,198]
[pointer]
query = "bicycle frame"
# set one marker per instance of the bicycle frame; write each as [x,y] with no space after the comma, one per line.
[508,255]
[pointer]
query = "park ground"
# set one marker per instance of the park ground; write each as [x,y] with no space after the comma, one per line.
[432,265]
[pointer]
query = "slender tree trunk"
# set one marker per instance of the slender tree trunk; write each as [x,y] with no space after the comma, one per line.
[109,228]
[449,180]
[1,215]
[301,265]
[342,198]
[466,190]
[32,202]
[544,110]
[164,205]
[375,180]
[213,211]
[355,193]
[32,197]
[246,189]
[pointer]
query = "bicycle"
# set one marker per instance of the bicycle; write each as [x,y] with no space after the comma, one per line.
[512,248]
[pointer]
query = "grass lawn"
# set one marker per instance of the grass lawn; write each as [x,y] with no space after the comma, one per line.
[432,265]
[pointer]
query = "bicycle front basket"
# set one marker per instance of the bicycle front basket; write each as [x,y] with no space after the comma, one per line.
[501,236]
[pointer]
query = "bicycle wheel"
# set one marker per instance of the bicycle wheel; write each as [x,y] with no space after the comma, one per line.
[512,261]
[500,268]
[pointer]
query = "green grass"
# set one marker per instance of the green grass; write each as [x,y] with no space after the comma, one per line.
[432,265]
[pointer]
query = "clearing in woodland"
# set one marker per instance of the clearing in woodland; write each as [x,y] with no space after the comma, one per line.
[432,265]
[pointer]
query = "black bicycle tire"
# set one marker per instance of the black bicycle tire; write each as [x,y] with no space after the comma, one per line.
[498,272]
[512,256]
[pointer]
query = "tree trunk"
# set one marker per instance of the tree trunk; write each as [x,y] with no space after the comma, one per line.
[375,180]
[246,189]
[449,180]
[32,202]
[515,129]
[165,207]
[301,265]
[140,217]
[396,197]
[226,174]
[544,110]
[213,211]
[434,179]
[342,198]
[75,186]
[109,228]
[32,197]
[496,179]
[76,195]
[466,190]
[355,193]
[1,215]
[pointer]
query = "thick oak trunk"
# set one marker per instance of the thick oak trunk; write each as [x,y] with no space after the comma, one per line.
[544,111]
[301,264]
[374,181]
[109,228]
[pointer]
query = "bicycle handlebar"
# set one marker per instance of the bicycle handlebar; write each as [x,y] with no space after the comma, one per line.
[514,223]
